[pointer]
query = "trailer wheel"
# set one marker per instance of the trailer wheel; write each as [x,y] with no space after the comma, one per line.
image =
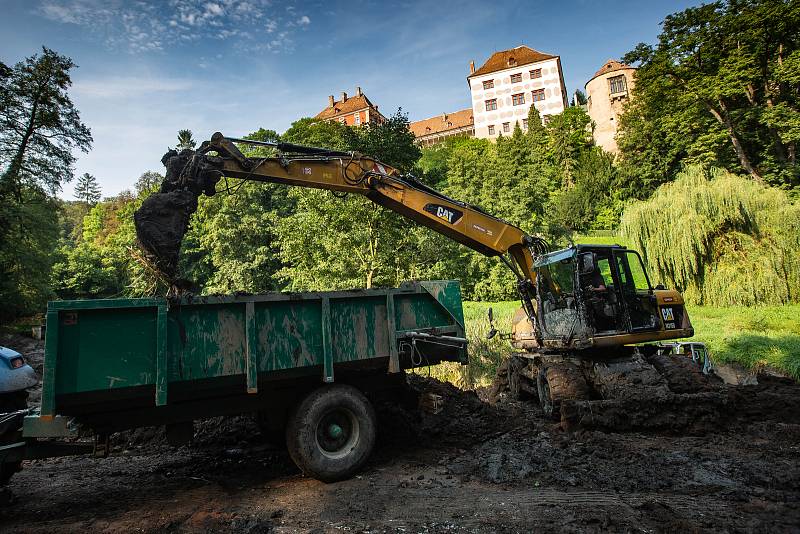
[331,433]
[11,402]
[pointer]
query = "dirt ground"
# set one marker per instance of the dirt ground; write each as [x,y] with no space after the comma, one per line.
[473,467]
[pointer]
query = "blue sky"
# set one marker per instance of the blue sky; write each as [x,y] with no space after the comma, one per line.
[148,69]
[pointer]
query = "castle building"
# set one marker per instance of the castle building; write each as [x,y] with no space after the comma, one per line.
[429,132]
[352,111]
[505,87]
[606,93]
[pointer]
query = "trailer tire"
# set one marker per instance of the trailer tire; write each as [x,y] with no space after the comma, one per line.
[11,402]
[331,433]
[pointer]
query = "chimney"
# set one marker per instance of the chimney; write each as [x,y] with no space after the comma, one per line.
[330,101]
[358,91]
[472,67]
[344,96]
[444,117]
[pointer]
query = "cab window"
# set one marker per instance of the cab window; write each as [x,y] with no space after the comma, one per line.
[631,272]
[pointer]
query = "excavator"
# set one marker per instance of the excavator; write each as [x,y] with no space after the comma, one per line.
[591,327]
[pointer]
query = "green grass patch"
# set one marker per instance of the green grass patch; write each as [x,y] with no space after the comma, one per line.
[752,337]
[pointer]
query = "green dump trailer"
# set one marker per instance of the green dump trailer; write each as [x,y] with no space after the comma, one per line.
[307,363]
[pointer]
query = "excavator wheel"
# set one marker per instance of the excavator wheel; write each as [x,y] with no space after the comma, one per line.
[520,384]
[681,374]
[557,383]
[516,377]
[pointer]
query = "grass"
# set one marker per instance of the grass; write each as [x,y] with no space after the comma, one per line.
[753,337]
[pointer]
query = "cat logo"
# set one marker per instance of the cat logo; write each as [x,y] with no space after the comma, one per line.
[445,213]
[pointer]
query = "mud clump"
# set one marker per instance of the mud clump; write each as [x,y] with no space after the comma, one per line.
[161,222]
[163,219]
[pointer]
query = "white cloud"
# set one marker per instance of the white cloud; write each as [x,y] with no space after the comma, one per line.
[152,25]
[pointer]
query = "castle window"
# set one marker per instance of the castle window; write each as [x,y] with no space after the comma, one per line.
[536,73]
[516,78]
[537,95]
[488,84]
[491,129]
[491,105]
[617,84]
[518,99]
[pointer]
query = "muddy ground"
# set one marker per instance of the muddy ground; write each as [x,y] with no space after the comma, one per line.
[473,467]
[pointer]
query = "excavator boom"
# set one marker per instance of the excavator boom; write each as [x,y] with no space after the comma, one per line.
[349,172]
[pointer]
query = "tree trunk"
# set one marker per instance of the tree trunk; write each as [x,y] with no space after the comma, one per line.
[9,180]
[723,118]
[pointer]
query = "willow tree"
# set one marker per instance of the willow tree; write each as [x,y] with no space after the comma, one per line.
[720,238]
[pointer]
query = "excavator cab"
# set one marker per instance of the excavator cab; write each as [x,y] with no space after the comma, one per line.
[589,292]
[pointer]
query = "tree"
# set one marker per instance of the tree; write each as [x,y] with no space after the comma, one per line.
[185,140]
[734,244]
[87,189]
[719,87]
[580,98]
[148,182]
[39,126]
[26,255]
[390,142]
[330,241]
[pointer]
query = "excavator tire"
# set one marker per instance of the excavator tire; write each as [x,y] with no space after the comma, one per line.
[557,383]
[681,374]
[520,386]
[515,377]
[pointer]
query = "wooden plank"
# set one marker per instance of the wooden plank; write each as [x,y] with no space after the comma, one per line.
[50,361]
[161,356]
[251,347]
[394,359]
[327,348]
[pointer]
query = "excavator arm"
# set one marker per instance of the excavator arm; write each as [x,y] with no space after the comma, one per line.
[349,172]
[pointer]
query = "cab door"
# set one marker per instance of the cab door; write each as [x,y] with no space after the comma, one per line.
[635,291]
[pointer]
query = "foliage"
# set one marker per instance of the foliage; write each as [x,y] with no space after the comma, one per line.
[234,240]
[721,239]
[30,237]
[87,189]
[330,241]
[185,140]
[148,182]
[39,129]
[39,126]
[719,88]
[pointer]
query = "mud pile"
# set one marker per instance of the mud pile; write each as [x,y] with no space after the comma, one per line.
[163,218]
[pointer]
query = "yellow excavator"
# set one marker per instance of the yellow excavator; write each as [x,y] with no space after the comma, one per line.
[585,309]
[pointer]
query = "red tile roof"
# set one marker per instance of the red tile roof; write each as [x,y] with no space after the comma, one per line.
[610,66]
[351,105]
[442,123]
[506,59]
